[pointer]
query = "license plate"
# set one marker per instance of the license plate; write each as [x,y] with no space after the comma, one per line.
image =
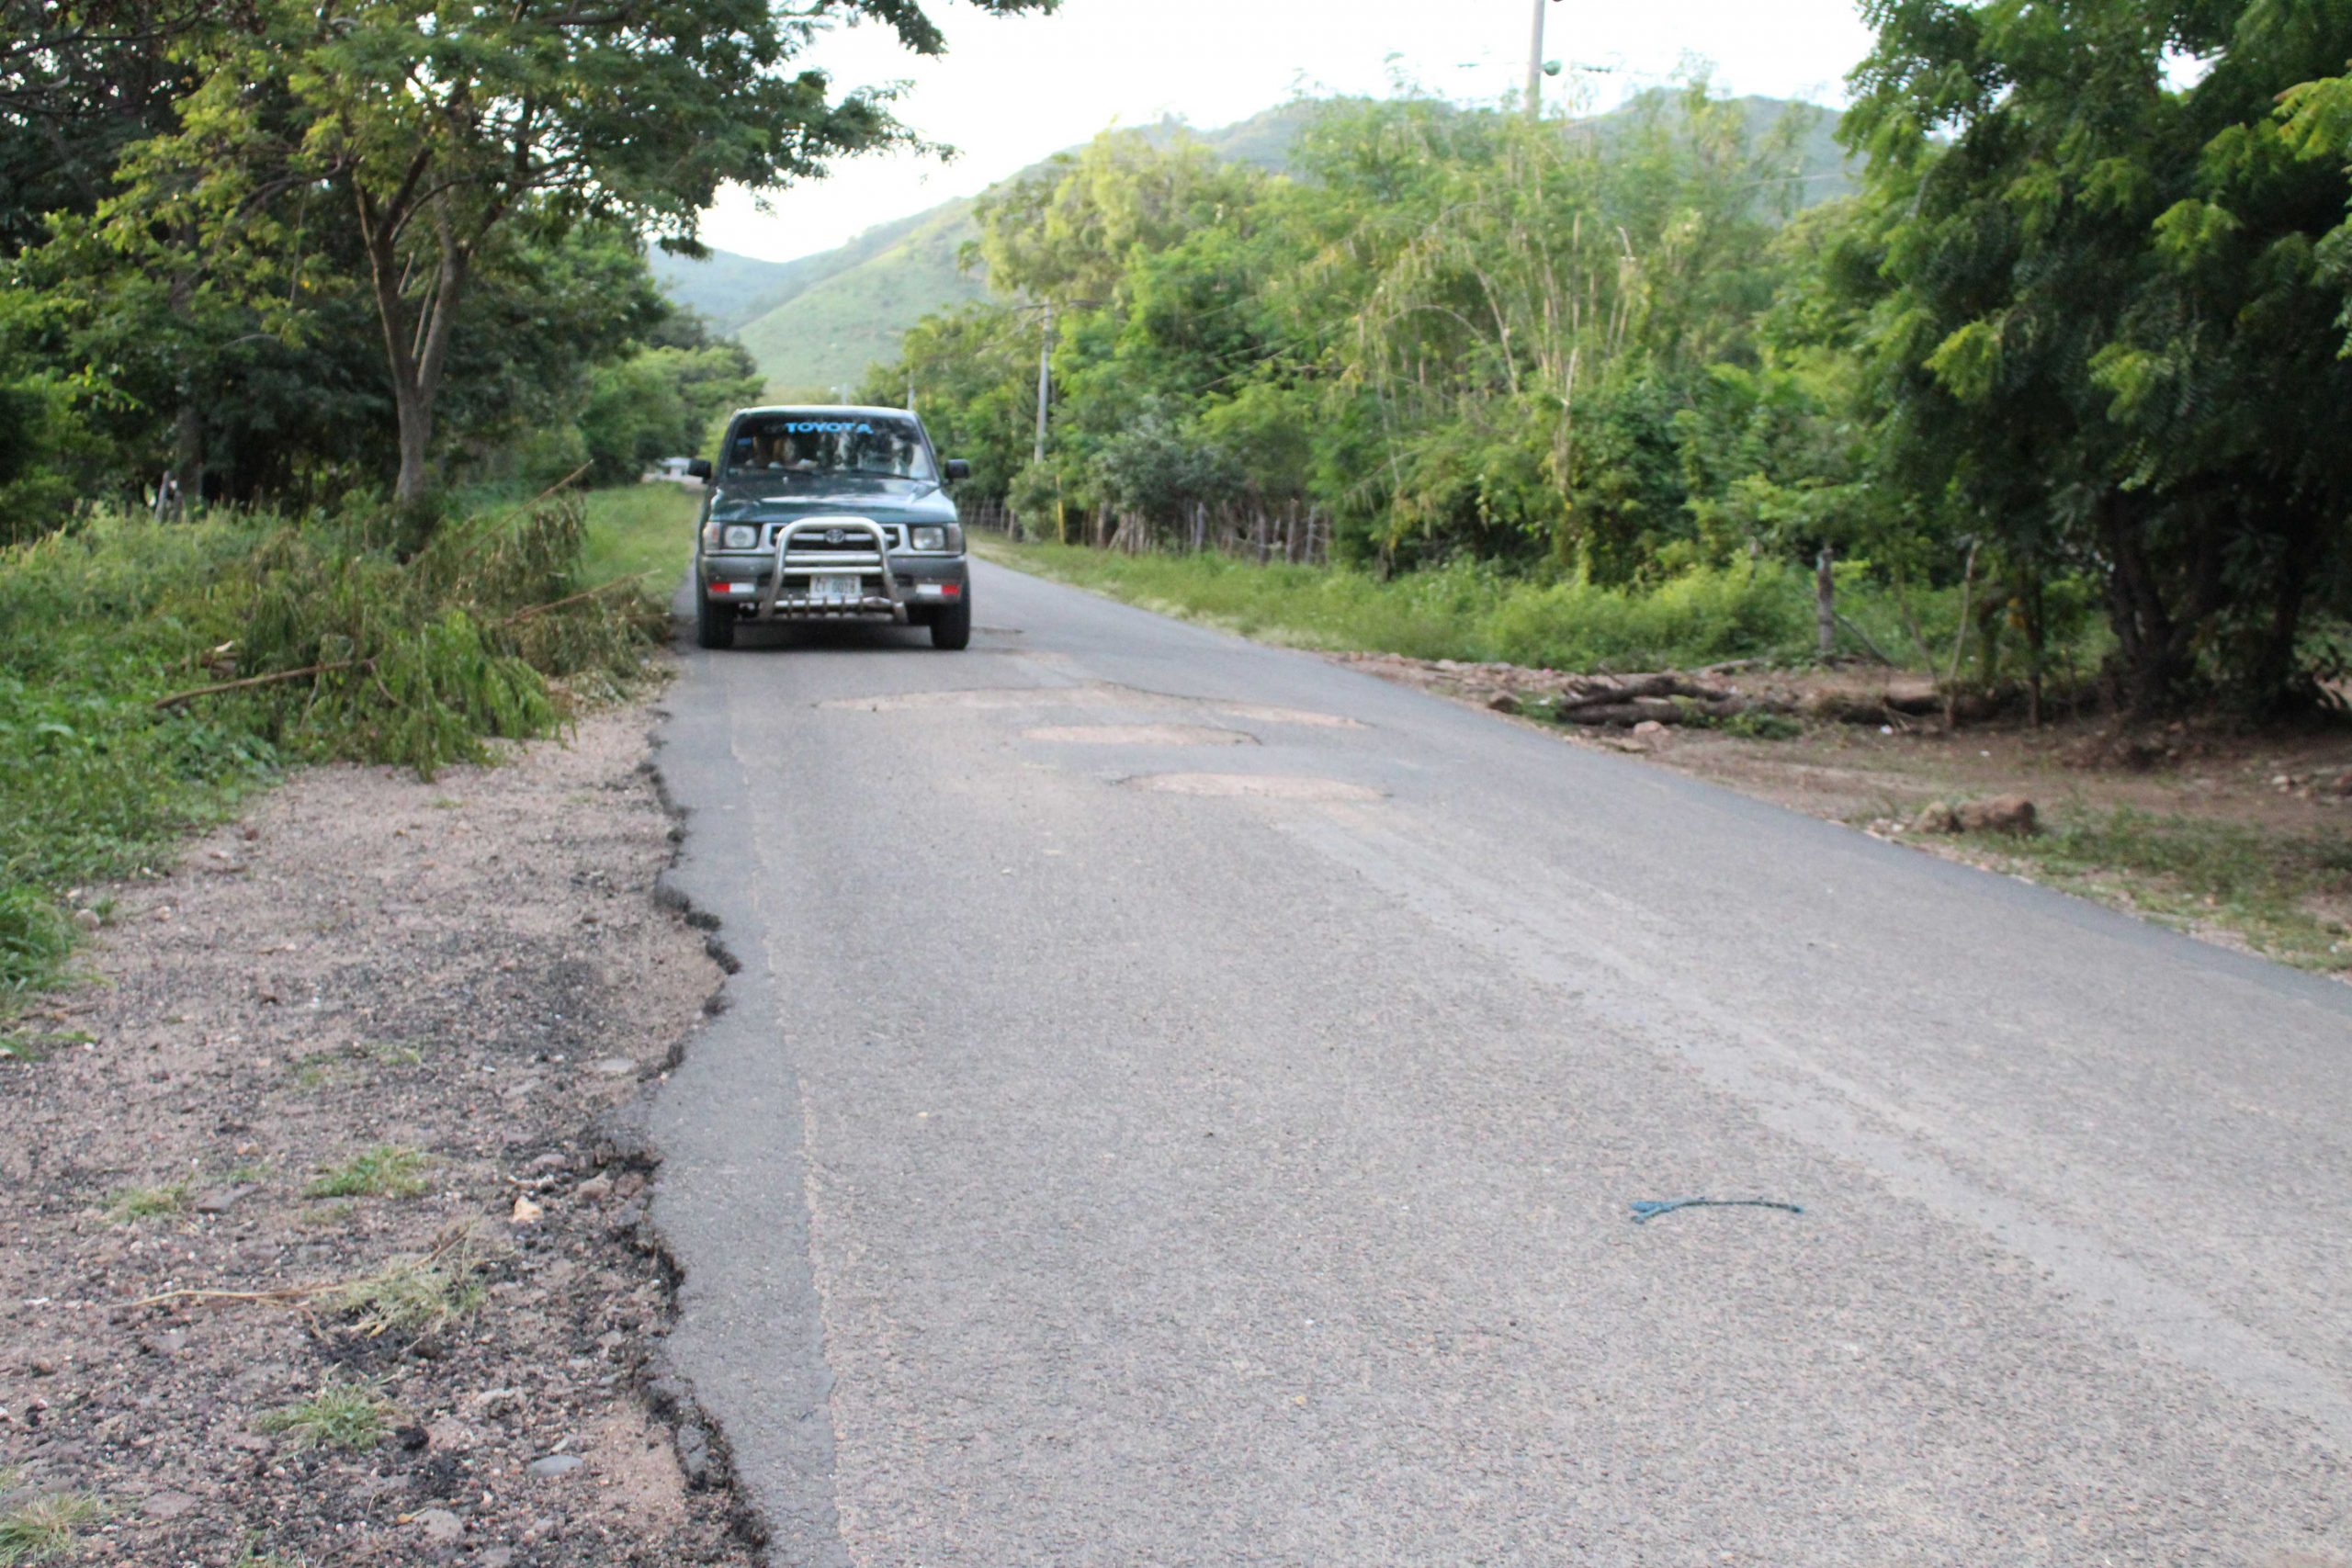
[832,590]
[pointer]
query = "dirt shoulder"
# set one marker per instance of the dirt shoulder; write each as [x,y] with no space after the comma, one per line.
[322,1220]
[2241,837]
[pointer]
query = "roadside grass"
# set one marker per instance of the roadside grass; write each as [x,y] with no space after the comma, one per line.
[415,1296]
[388,1171]
[1473,612]
[135,1203]
[350,1415]
[414,658]
[2267,886]
[43,1527]
[38,1045]
[642,531]
[319,1069]
[338,1066]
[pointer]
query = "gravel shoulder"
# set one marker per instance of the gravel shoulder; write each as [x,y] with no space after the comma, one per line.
[323,1218]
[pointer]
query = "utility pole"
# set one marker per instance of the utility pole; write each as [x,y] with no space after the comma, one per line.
[1537,67]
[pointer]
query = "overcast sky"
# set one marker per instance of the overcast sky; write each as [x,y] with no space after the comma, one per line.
[1011,92]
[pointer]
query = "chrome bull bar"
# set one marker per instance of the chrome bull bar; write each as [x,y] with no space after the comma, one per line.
[778,602]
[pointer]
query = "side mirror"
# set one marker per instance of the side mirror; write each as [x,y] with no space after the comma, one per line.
[699,469]
[958,468]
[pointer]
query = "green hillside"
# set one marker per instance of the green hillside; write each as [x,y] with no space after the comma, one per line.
[723,288]
[816,323]
[729,290]
[826,333]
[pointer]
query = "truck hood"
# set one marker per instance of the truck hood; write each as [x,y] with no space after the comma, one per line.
[787,496]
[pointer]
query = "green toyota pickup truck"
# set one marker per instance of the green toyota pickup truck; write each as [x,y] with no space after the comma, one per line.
[830,515]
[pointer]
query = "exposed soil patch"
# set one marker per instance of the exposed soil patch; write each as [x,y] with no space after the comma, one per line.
[347,1062]
[2242,837]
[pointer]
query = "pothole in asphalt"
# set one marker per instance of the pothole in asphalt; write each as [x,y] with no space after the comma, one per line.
[1252,712]
[1086,695]
[1139,734]
[984,698]
[1254,786]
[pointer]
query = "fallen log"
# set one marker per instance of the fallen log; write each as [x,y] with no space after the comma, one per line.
[1598,691]
[1662,710]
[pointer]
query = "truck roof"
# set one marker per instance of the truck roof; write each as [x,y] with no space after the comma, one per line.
[827,411]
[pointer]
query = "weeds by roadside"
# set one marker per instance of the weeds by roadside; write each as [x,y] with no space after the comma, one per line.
[41,1528]
[152,675]
[148,1203]
[36,1045]
[350,1415]
[642,532]
[415,1296]
[2275,889]
[388,1171]
[1473,612]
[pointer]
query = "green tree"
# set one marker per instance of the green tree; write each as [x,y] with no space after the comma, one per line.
[657,403]
[974,372]
[438,124]
[2104,329]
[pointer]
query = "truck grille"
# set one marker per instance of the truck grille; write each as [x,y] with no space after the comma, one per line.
[812,541]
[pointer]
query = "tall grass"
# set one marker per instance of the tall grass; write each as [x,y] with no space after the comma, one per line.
[644,532]
[424,660]
[1472,612]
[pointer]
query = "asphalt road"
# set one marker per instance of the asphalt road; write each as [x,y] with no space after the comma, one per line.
[1181,1100]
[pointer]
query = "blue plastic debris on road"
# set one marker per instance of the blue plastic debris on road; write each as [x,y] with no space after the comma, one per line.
[1647,1208]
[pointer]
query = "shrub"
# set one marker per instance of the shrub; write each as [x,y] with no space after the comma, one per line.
[414,660]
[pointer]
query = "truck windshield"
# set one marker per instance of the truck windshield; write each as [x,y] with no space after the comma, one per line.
[822,441]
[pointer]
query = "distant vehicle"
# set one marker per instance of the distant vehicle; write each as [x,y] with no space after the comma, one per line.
[830,515]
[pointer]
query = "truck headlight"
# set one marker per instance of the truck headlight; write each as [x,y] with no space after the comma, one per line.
[743,538]
[932,540]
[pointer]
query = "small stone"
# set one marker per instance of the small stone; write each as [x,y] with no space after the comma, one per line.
[525,1211]
[553,1465]
[492,1400]
[167,1505]
[1650,727]
[497,1557]
[87,919]
[595,1189]
[441,1526]
[614,1067]
[549,1162]
[218,1200]
[1504,702]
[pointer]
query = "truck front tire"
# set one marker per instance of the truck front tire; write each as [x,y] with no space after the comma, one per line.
[951,624]
[714,623]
